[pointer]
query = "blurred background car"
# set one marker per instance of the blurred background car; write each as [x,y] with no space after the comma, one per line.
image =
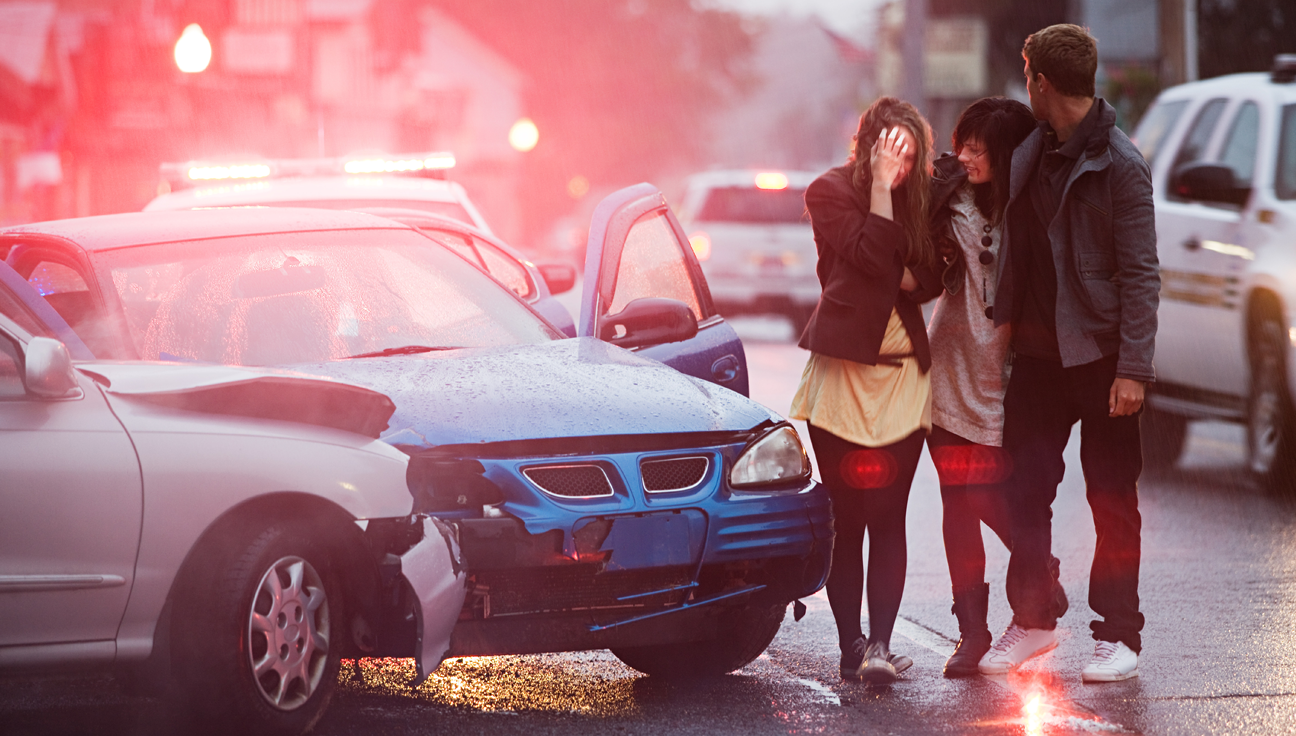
[225,533]
[602,499]
[750,231]
[1223,158]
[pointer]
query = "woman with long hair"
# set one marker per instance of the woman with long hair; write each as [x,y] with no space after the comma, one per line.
[970,359]
[865,390]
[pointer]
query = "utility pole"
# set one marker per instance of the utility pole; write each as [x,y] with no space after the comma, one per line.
[913,53]
[1177,21]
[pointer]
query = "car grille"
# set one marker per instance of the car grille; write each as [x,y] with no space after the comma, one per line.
[673,474]
[571,481]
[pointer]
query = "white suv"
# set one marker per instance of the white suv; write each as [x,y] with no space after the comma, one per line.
[1223,158]
[750,233]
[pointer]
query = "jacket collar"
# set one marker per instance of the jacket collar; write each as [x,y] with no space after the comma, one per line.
[1095,156]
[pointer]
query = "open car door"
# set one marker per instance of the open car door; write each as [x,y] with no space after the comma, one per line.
[645,291]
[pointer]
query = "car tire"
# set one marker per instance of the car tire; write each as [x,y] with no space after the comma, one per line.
[1270,426]
[1163,436]
[259,633]
[743,635]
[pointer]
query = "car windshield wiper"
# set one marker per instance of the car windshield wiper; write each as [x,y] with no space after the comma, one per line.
[402,350]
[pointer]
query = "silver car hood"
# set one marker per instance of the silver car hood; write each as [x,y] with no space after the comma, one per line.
[257,393]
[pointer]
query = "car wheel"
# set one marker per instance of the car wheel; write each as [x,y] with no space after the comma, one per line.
[259,634]
[743,635]
[1163,435]
[1269,416]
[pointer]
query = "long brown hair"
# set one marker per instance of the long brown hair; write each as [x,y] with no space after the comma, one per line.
[888,112]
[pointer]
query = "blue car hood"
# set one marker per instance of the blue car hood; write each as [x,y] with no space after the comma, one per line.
[578,387]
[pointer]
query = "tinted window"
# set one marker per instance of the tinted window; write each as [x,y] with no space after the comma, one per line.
[1158,121]
[309,297]
[652,264]
[752,205]
[1285,180]
[1239,151]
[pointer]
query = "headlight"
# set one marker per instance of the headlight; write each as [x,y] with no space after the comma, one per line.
[777,457]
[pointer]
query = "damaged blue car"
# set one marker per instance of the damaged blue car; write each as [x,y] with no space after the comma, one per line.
[613,490]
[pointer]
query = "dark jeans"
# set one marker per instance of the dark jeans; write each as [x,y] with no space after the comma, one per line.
[869,487]
[1043,401]
[970,484]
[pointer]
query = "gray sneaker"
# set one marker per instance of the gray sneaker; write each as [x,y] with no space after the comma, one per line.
[878,668]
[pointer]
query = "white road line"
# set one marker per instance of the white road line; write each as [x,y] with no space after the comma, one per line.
[825,692]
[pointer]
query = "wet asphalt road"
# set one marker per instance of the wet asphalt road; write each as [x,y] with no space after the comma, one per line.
[1217,586]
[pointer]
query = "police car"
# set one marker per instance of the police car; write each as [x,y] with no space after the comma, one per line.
[1223,159]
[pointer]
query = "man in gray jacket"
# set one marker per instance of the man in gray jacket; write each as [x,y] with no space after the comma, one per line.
[1078,281]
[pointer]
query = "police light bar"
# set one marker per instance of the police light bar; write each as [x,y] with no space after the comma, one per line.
[195,172]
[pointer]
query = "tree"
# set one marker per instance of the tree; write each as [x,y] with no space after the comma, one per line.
[618,88]
[1243,35]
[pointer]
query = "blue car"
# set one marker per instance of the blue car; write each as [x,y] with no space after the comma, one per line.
[612,490]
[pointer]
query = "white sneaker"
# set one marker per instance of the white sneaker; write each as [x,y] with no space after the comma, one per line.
[1112,662]
[1015,647]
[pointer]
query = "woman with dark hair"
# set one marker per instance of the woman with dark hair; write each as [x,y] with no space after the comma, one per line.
[865,390]
[970,359]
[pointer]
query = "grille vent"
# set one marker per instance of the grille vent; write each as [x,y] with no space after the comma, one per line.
[571,481]
[673,474]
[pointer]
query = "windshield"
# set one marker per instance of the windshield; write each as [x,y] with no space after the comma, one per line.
[308,297]
[755,206]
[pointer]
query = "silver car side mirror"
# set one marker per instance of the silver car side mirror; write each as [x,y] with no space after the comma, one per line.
[49,370]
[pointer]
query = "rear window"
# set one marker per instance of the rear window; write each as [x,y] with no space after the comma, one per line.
[754,206]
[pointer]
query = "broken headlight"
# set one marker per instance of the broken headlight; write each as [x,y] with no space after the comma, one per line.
[775,457]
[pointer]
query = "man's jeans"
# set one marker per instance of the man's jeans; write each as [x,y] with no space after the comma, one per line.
[1042,403]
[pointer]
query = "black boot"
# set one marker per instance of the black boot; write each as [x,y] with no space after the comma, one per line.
[970,606]
[1059,598]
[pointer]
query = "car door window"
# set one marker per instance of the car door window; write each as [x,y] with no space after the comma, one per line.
[1194,143]
[508,271]
[66,291]
[1239,152]
[11,383]
[652,265]
[1285,179]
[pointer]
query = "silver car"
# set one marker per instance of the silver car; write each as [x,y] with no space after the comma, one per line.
[233,532]
[752,236]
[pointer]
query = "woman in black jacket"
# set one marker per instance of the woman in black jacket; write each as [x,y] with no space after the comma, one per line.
[865,390]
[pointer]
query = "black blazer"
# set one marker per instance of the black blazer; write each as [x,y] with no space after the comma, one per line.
[860,270]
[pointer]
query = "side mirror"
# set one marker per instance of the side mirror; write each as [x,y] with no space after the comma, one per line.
[49,370]
[649,321]
[1206,182]
[559,277]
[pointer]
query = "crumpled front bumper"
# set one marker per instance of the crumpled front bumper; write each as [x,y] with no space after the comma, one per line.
[434,570]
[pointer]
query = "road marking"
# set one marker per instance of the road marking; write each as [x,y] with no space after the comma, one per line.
[825,692]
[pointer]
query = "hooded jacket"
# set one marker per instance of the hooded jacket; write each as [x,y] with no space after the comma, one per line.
[1103,240]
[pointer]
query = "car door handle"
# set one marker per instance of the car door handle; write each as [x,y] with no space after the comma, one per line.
[725,369]
[1192,243]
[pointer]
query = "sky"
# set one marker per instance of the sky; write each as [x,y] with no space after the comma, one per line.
[853,18]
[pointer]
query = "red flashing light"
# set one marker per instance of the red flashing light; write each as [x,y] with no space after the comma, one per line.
[869,469]
[771,180]
[971,465]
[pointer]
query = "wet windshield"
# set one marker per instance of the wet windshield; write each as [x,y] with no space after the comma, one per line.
[308,297]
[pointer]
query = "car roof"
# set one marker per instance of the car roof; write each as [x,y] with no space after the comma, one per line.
[104,232]
[747,177]
[303,188]
[1231,85]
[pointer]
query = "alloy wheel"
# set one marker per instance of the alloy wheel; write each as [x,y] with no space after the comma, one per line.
[288,630]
